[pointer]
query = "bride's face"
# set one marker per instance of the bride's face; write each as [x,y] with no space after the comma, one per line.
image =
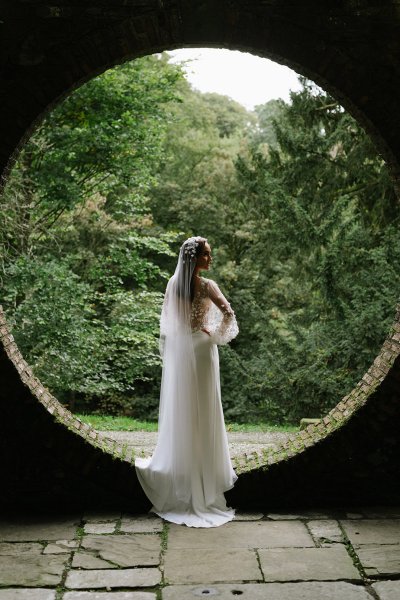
[204,259]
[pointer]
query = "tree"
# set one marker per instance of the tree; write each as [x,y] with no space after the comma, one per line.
[81,257]
[320,271]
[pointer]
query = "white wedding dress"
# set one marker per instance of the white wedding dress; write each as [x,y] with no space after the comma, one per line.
[190,469]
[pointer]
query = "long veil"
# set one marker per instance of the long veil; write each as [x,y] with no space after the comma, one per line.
[173,455]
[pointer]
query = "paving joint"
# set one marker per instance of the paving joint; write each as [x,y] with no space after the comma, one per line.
[353,555]
[370,590]
[259,565]
[163,551]
[61,589]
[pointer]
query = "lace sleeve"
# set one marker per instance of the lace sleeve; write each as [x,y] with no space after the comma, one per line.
[222,322]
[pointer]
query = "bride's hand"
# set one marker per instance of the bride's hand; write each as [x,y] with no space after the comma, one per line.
[207,332]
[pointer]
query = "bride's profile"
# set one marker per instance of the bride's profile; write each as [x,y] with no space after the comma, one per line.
[190,469]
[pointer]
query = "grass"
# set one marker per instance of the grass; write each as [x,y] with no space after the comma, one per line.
[110,423]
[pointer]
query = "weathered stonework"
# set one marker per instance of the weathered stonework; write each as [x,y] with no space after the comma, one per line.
[49,457]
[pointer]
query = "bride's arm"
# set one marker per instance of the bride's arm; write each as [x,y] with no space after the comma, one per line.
[226,328]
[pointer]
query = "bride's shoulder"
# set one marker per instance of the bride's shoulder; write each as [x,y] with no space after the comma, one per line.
[209,283]
[206,281]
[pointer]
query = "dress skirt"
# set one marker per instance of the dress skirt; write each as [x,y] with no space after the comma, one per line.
[190,469]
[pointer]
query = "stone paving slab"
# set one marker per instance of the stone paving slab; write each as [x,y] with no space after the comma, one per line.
[124,578]
[84,560]
[314,590]
[125,550]
[61,547]
[141,524]
[327,532]
[20,548]
[307,564]
[380,561]
[211,566]
[372,531]
[258,534]
[248,516]
[303,515]
[31,571]
[386,590]
[27,594]
[100,516]
[108,596]
[99,528]
[34,528]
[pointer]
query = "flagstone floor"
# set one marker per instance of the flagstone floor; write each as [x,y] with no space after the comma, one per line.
[313,555]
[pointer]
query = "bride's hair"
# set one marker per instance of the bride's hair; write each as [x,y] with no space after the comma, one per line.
[190,250]
[201,242]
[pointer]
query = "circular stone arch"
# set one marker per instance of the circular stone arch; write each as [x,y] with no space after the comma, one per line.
[352,455]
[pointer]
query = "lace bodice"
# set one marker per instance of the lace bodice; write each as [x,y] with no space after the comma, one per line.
[212,311]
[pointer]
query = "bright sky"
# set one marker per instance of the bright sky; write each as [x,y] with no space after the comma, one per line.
[246,78]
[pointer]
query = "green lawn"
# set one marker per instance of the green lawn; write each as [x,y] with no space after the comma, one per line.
[109,423]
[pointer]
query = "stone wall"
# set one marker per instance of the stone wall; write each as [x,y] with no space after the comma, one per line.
[352,48]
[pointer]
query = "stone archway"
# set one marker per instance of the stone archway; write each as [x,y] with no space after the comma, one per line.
[353,51]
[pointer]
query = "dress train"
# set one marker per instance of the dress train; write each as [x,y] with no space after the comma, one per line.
[189,471]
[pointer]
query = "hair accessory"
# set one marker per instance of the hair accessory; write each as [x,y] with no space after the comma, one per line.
[189,248]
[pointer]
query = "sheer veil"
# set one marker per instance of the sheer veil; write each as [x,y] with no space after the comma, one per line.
[178,379]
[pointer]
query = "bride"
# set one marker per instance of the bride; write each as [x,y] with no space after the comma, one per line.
[186,477]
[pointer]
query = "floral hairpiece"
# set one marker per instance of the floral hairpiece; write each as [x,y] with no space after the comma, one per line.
[189,248]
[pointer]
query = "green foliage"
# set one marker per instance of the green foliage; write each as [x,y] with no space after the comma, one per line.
[80,252]
[303,217]
[321,268]
[296,203]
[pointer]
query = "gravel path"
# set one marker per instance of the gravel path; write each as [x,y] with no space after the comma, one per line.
[239,442]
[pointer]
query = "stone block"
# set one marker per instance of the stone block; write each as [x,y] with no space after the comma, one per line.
[31,571]
[314,590]
[84,560]
[125,550]
[307,564]
[38,528]
[386,590]
[109,596]
[258,534]
[99,528]
[61,547]
[20,548]
[300,515]
[326,532]
[380,561]
[283,517]
[113,578]
[211,565]
[100,517]
[142,524]
[372,531]
[248,516]
[27,594]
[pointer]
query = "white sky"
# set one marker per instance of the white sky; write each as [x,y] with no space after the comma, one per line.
[246,78]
